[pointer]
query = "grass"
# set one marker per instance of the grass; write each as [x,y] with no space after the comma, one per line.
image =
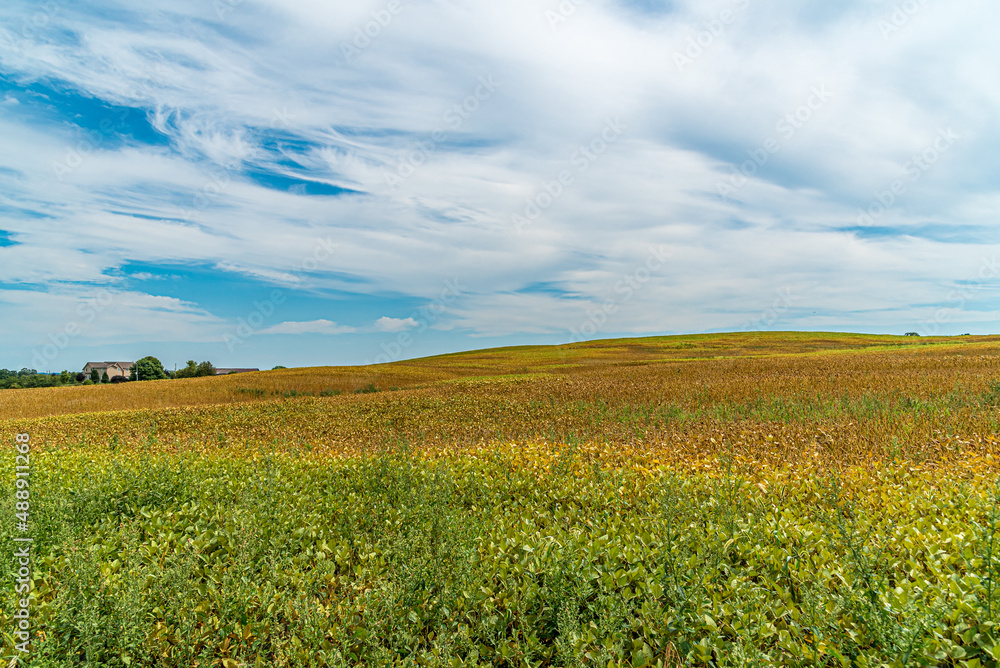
[786,500]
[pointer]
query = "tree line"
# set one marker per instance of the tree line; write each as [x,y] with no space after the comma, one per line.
[148,368]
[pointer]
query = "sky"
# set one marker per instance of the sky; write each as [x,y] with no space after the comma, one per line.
[300,183]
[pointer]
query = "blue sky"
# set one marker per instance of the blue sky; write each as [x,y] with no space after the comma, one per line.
[256,182]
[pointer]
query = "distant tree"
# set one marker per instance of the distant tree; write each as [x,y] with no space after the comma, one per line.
[148,368]
[193,370]
[190,371]
[25,378]
[205,369]
[95,375]
[911,334]
[104,377]
[65,378]
[119,379]
[80,377]
[279,367]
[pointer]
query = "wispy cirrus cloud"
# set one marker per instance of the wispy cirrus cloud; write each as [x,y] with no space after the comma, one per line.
[220,145]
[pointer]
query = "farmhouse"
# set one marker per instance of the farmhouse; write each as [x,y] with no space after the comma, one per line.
[225,372]
[111,368]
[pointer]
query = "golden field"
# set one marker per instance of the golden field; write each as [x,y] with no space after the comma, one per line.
[563,360]
[715,500]
[766,396]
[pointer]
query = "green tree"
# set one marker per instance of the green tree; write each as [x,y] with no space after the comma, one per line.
[95,375]
[190,371]
[206,369]
[104,377]
[148,368]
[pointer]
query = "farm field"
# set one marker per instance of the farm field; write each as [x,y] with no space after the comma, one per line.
[755,499]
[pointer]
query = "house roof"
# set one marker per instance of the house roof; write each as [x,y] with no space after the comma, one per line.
[220,372]
[105,365]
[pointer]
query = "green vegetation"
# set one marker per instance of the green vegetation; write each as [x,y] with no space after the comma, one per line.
[506,559]
[707,501]
[148,368]
[195,370]
[28,378]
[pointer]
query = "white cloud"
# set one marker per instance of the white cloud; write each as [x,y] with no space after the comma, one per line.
[311,327]
[52,327]
[387,324]
[266,91]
